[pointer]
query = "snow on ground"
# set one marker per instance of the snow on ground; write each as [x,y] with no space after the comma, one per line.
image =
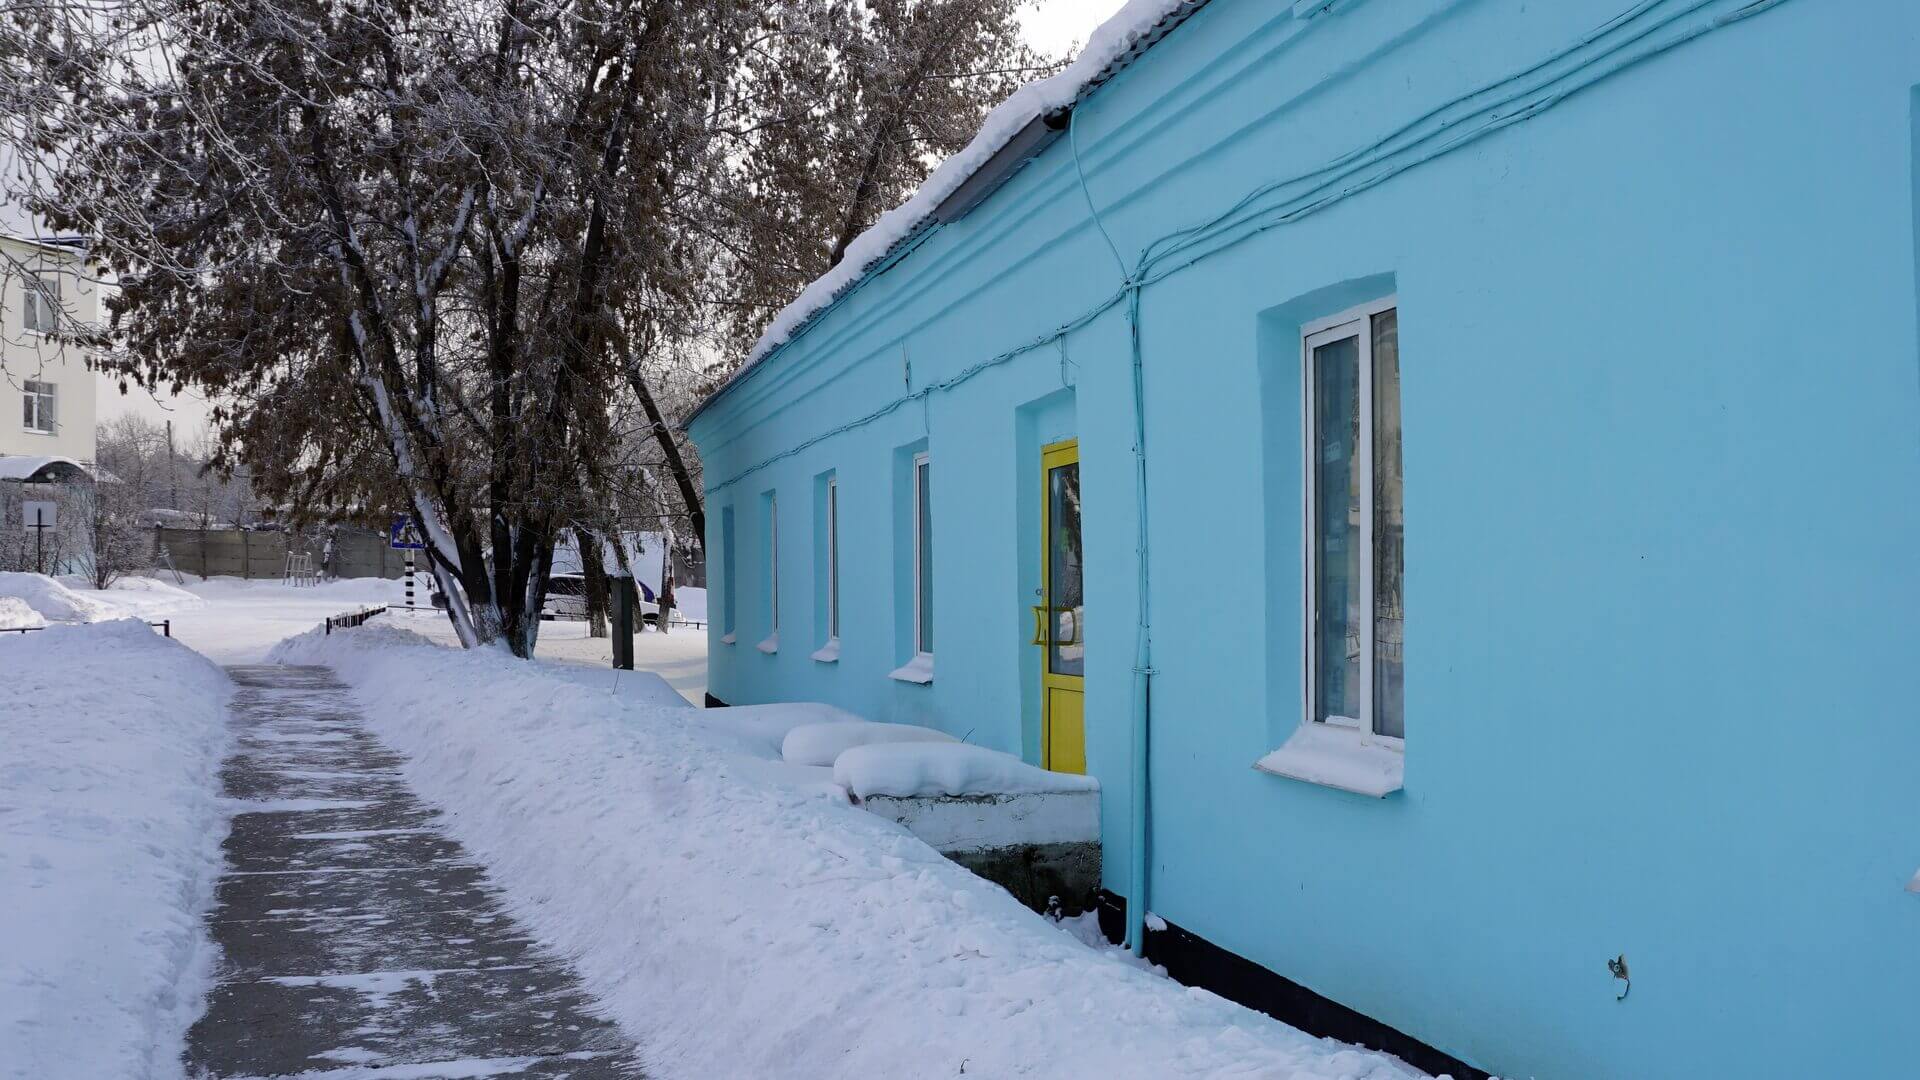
[678,656]
[241,619]
[110,830]
[141,597]
[744,927]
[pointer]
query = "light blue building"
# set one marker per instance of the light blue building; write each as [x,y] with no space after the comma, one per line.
[1608,310]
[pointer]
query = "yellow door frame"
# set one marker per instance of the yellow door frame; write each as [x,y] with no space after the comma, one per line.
[1068,692]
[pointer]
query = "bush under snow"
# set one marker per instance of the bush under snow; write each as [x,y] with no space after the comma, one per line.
[111,739]
[745,927]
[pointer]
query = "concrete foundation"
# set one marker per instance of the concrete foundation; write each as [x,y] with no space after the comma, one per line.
[1043,847]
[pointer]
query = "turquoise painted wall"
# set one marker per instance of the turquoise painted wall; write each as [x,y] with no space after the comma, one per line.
[1661,404]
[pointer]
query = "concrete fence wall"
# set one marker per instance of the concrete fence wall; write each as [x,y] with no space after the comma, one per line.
[241,553]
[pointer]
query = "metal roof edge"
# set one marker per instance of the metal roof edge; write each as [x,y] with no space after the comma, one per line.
[1025,145]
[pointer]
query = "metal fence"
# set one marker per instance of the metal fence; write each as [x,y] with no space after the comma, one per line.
[355,618]
[165,626]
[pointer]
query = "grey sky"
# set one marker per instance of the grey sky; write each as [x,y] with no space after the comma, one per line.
[1053,25]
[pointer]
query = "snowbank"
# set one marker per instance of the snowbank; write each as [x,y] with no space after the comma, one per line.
[241,619]
[110,830]
[149,598]
[55,601]
[822,744]
[909,770]
[16,613]
[1108,43]
[70,599]
[740,928]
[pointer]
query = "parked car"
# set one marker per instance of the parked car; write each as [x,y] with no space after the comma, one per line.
[567,599]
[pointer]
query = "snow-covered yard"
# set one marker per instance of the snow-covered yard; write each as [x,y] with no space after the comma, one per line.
[741,920]
[111,739]
[237,621]
[679,656]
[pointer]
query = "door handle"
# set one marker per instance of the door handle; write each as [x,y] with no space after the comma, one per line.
[1039,624]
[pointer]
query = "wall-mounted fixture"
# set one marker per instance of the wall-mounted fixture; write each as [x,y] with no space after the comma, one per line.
[1914,885]
[1618,967]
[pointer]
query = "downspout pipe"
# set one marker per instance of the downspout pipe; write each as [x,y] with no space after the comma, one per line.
[1142,659]
[1142,716]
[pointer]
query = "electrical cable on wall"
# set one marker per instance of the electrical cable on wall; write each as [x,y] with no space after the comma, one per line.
[1347,174]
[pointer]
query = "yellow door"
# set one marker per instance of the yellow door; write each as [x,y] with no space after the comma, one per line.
[1058,622]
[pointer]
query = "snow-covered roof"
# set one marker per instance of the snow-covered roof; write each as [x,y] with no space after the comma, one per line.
[36,469]
[1117,42]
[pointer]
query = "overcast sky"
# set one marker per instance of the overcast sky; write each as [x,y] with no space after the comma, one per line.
[1050,26]
[1053,25]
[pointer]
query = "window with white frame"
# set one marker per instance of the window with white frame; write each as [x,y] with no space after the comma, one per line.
[40,302]
[922,556]
[1355,613]
[39,412]
[728,602]
[770,552]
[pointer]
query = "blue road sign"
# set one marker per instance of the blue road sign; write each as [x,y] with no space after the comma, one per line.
[404,535]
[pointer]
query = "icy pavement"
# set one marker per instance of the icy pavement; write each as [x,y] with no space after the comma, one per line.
[357,938]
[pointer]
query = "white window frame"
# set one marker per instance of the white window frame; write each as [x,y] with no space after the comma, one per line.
[922,584]
[1354,322]
[41,301]
[833,560]
[46,406]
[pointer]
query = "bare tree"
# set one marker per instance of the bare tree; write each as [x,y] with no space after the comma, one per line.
[875,93]
[113,543]
[472,198]
[456,258]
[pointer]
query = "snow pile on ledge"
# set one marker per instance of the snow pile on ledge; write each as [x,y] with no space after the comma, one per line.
[111,739]
[55,601]
[746,929]
[763,728]
[911,770]
[16,613]
[1338,757]
[822,744]
[1108,43]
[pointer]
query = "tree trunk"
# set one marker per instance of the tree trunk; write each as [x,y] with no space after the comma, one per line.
[594,568]
[665,618]
[689,495]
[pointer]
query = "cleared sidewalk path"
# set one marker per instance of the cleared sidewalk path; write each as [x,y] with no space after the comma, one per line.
[358,940]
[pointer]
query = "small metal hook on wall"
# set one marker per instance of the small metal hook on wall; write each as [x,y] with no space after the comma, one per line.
[1618,967]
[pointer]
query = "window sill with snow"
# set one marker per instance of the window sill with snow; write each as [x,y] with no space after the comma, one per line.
[1342,758]
[771,645]
[917,670]
[728,639]
[828,653]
